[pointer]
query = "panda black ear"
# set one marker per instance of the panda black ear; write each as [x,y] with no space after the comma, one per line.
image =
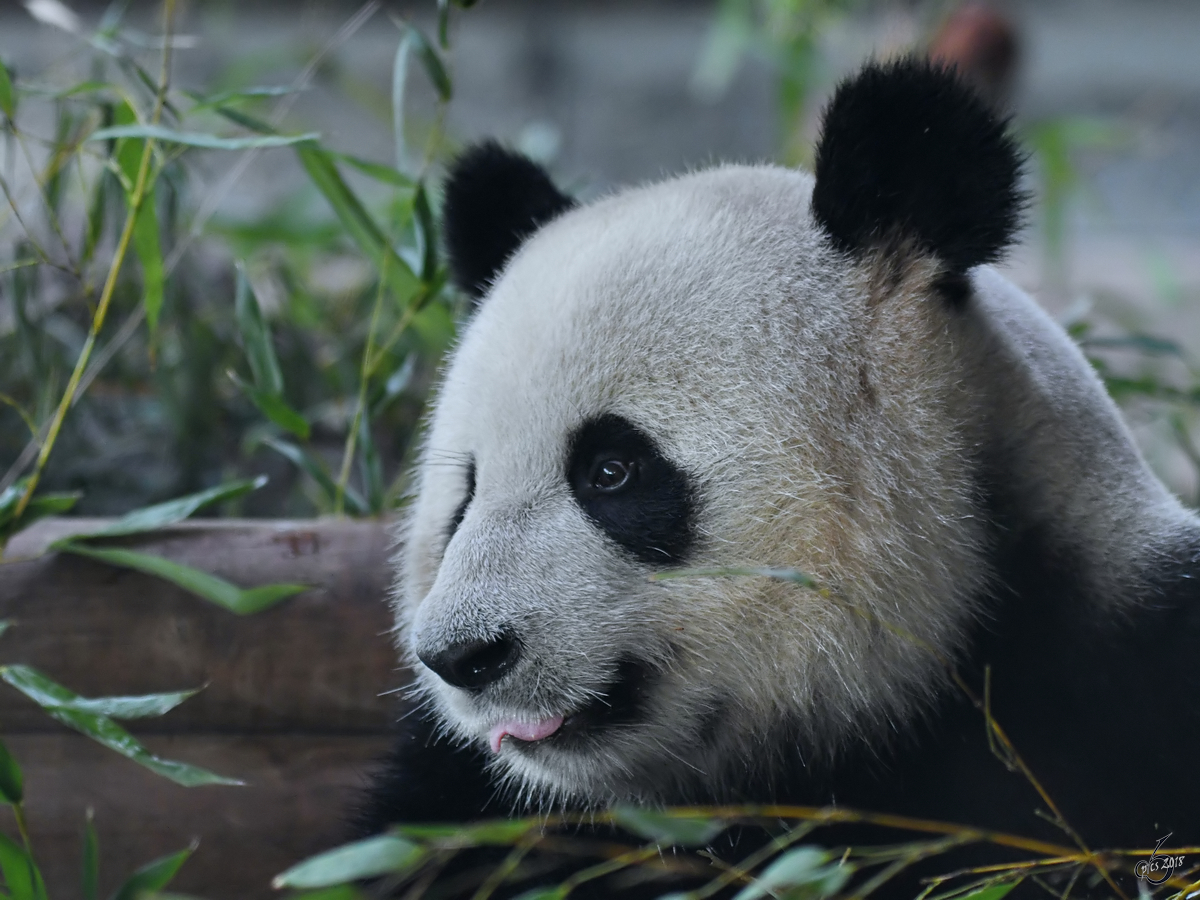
[907,150]
[494,200]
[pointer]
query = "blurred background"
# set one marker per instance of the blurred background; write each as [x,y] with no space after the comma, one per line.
[1105,95]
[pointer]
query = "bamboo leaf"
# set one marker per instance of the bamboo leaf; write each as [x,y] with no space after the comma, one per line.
[358,223]
[809,867]
[146,244]
[338,892]
[21,875]
[242,602]
[499,832]
[161,515]
[378,171]
[274,408]
[318,473]
[239,96]
[668,830]
[104,730]
[793,575]
[427,230]
[8,97]
[380,855]
[205,141]
[991,892]
[39,507]
[431,63]
[149,253]
[153,877]
[47,693]
[90,875]
[12,783]
[256,338]
[372,468]
[399,88]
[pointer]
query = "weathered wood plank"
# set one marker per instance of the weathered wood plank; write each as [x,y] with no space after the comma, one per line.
[318,663]
[299,793]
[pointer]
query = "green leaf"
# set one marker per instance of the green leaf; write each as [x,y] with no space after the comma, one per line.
[12,784]
[102,729]
[502,832]
[39,507]
[21,874]
[146,245]
[339,892]
[256,337]
[195,139]
[90,875]
[380,855]
[443,24]
[413,40]
[431,63]
[239,96]
[372,468]
[543,893]
[8,97]
[153,876]
[5,624]
[809,868]
[318,473]
[667,829]
[793,575]
[275,408]
[378,171]
[242,601]
[423,218]
[46,693]
[358,223]
[991,891]
[149,254]
[161,515]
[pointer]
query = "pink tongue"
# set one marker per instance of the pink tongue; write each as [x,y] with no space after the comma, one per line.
[524,731]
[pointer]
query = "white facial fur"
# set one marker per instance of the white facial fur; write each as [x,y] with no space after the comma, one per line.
[808,403]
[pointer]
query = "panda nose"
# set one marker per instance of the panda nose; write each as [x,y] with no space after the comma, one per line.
[474,664]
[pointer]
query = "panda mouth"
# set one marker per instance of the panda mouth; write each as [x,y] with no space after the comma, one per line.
[623,701]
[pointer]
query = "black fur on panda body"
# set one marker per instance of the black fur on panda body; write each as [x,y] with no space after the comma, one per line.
[1095,684]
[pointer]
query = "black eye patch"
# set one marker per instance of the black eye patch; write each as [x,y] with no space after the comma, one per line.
[630,490]
[457,518]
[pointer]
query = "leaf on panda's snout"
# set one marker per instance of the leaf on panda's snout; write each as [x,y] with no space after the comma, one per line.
[793,575]
[667,829]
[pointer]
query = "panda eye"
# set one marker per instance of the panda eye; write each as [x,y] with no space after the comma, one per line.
[610,475]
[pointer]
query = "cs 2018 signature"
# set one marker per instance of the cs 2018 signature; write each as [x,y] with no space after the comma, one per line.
[1157,869]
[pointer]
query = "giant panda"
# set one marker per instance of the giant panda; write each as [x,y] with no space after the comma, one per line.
[753,369]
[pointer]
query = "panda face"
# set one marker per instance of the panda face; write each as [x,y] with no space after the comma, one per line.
[686,375]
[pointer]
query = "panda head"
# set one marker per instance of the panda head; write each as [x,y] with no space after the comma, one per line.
[739,367]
